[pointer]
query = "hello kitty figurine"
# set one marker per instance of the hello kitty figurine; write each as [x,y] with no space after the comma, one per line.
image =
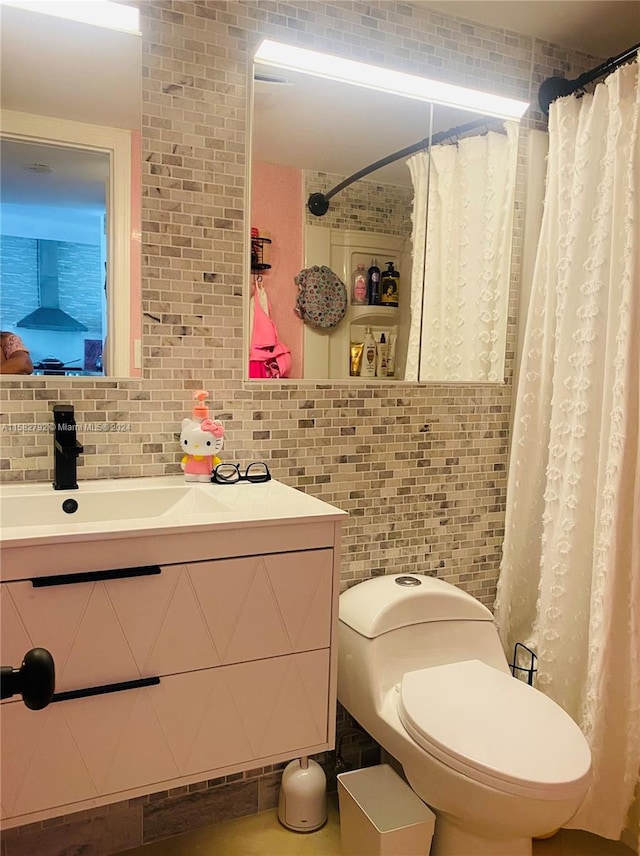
[201,439]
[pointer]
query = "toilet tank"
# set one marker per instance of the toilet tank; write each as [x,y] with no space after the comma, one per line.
[382,604]
[399,623]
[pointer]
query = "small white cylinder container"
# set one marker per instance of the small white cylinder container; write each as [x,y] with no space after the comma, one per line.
[303,796]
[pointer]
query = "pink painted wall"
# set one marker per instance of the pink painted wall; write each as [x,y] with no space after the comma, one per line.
[277,208]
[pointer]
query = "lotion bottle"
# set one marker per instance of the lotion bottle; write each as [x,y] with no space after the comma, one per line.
[368,364]
[391,354]
[381,357]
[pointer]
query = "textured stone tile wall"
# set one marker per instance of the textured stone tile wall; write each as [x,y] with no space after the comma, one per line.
[365,206]
[420,469]
[19,261]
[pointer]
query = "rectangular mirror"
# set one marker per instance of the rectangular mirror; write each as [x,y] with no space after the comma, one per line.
[311,132]
[71,195]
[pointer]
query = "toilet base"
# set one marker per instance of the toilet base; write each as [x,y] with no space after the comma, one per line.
[450,840]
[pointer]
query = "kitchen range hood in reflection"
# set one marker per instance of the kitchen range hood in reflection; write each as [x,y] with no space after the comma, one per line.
[49,316]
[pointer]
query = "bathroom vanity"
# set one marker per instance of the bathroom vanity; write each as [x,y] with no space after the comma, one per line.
[193,636]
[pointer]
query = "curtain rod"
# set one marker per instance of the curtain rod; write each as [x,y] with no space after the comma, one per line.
[558,87]
[318,203]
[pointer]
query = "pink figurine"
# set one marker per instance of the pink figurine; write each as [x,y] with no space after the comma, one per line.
[201,439]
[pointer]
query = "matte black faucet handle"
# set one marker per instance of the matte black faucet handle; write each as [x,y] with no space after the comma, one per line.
[35,680]
[66,412]
[65,428]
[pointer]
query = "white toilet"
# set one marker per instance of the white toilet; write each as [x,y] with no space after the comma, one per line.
[421,668]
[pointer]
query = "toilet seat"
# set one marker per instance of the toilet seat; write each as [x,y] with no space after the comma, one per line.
[495,729]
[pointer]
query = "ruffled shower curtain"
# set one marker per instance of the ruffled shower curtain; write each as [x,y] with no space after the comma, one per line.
[569,583]
[419,168]
[459,290]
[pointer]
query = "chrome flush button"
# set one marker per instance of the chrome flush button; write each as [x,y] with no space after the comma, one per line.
[408,581]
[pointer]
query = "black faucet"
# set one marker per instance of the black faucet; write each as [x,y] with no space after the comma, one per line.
[66,448]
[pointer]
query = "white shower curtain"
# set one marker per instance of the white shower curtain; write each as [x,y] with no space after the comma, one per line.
[570,577]
[458,325]
[419,168]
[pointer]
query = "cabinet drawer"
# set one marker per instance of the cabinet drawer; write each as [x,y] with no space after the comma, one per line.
[187,724]
[187,617]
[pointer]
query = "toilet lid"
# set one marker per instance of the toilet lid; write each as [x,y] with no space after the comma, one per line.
[495,729]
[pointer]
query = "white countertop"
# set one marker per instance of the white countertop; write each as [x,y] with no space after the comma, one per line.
[200,506]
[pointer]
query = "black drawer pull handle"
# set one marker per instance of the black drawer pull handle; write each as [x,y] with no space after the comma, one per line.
[95,576]
[106,688]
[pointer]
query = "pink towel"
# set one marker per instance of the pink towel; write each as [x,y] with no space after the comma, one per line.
[268,357]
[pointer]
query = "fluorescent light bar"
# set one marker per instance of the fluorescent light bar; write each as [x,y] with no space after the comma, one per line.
[101,13]
[318,64]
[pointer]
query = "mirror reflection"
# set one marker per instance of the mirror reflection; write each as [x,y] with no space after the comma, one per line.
[70,205]
[309,134]
[54,206]
[465,194]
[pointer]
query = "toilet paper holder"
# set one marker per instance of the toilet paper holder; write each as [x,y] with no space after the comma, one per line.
[529,670]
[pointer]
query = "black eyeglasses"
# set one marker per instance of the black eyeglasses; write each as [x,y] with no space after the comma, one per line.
[255,473]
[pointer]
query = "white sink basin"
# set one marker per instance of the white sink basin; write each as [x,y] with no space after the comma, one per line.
[115,502]
[121,523]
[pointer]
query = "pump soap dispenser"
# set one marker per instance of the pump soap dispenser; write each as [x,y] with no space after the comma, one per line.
[390,286]
[201,439]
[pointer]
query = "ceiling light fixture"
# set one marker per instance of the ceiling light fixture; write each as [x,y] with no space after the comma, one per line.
[280,55]
[101,13]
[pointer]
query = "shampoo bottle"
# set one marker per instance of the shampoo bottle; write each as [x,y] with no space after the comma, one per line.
[373,283]
[368,364]
[201,439]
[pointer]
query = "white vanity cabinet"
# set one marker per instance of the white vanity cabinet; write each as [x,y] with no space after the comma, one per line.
[172,672]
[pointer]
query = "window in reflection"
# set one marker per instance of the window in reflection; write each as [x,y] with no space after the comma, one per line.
[53,254]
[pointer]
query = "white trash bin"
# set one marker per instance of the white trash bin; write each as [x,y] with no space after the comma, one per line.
[381,816]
